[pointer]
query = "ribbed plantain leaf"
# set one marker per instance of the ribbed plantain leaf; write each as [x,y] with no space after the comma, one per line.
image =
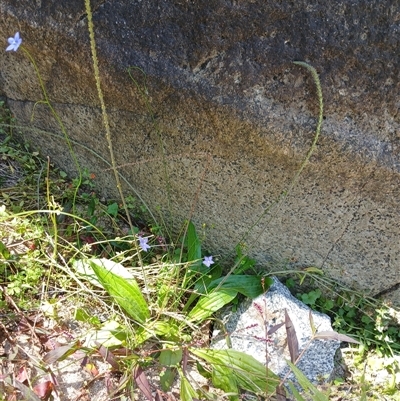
[125,292]
[249,286]
[249,374]
[210,303]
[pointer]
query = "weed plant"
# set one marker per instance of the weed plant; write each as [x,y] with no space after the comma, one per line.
[351,311]
[157,296]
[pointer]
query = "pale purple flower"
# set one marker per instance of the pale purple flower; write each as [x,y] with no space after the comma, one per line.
[14,43]
[208,261]
[143,242]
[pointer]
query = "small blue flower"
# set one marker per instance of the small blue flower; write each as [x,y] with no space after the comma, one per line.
[14,43]
[143,242]
[208,261]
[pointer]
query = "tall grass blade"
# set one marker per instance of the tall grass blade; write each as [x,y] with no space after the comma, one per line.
[295,392]
[169,357]
[187,391]
[194,250]
[333,335]
[306,385]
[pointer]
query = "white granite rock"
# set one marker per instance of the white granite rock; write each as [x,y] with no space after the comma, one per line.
[247,328]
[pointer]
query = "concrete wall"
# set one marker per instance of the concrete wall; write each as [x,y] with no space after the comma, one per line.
[235,117]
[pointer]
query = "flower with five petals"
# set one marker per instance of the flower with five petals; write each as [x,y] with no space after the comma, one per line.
[14,43]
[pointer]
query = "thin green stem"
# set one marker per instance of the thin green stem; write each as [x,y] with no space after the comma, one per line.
[50,205]
[58,119]
[284,194]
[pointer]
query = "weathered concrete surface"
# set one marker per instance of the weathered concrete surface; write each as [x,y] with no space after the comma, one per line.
[235,117]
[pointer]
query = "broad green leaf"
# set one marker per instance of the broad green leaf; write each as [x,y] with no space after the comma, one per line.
[81,315]
[250,374]
[187,391]
[202,284]
[92,206]
[169,357]
[167,329]
[112,209]
[203,371]
[142,334]
[193,242]
[167,378]
[111,334]
[61,353]
[125,292]
[306,385]
[249,286]
[85,269]
[210,303]
[224,379]
[4,251]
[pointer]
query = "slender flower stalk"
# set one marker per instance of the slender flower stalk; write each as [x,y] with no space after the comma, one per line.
[108,129]
[14,44]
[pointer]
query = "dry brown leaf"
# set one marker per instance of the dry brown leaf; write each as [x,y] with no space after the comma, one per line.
[292,341]
[91,368]
[60,353]
[27,393]
[44,390]
[142,382]
[333,335]
[22,375]
[108,356]
[274,328]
